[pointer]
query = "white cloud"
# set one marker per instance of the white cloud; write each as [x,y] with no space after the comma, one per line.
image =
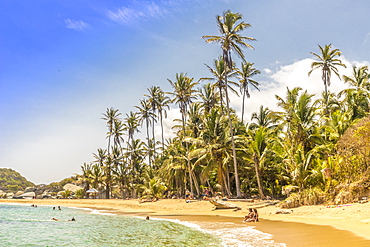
[140,11]
[291,76]
[76,25]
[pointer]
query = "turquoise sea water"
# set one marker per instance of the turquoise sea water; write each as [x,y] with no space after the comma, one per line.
[23,225]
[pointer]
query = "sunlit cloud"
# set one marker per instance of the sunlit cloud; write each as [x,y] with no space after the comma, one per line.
[289,76]
[76,25]
[125,15]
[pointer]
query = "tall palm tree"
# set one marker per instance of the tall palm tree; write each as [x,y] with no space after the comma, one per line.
[152,98]
[162,102]
[230,25]
[245,74]
[101,158]
[327,61]
[219,73]
[259,147]
[146,114]
[110,116]
[131,124]
[184,93]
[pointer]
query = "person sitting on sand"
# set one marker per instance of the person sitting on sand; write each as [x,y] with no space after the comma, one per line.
[249,216]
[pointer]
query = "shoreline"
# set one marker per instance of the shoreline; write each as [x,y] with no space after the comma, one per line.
[349,223]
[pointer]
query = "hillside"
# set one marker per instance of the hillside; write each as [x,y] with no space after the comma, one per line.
[12,181]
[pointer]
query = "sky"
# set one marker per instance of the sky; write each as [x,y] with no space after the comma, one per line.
[64,62]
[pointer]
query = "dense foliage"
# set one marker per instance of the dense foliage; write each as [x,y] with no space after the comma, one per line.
[292,150]
[12,181]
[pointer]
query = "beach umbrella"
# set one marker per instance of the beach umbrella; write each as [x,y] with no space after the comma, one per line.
[92,191]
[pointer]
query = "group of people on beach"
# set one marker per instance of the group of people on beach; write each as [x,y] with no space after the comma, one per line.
[252,216]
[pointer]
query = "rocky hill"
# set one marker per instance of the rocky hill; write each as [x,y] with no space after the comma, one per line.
[12,181]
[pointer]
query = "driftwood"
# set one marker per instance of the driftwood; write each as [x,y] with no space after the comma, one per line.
[225,205]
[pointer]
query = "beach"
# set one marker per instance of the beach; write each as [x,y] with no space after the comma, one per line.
[318,225]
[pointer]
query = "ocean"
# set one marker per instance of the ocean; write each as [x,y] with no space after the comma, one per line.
[23,225]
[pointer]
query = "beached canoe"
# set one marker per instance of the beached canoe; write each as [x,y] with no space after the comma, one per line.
[225,205]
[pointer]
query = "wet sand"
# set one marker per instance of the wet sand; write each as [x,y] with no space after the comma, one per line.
[327,226]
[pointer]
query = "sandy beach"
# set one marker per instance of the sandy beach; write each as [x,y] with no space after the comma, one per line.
[306,226]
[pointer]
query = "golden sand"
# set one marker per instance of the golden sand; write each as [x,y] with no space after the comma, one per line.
[305,226]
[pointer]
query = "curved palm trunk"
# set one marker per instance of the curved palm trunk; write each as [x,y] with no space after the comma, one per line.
[256,166]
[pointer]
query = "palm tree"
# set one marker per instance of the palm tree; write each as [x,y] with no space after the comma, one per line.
[219,73]
[162,102]
[327,62]
[259,141]
[110,116]
[153,95]
[245,74]
[209,97]
[230,25]
[101,159]
[357,95]
[86,178]
[184,93]
[264,118]
[145,115]
[131,124]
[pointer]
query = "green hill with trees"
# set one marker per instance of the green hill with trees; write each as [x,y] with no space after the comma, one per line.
[13,181]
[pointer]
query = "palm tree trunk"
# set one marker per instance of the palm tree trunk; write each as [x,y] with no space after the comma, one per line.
[148,141]
[187,148]
[237,182]
[243,107]
[256,166]
[153,140]
[160,115]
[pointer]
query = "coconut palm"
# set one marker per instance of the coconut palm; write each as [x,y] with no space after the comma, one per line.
[219,72]
[358,93]
[162,102]
[152,98]
[209,97]
[264,118]
[245,74]
[146,114]
[183,95]
[110,116]
[327,61]
[230,25]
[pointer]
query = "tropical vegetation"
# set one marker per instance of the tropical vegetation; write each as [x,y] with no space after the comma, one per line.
[312,149]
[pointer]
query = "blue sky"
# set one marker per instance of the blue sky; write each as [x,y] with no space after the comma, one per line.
[62,63]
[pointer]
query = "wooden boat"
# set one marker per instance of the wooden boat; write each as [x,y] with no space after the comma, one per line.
[225,205]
